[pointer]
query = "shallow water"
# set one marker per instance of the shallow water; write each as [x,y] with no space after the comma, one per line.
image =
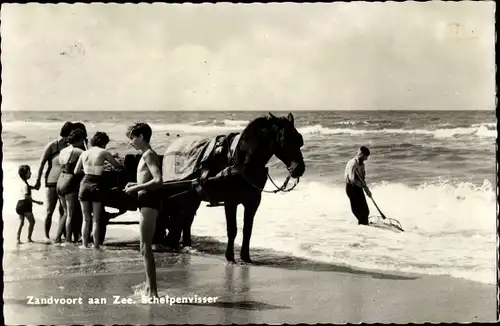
[432,171]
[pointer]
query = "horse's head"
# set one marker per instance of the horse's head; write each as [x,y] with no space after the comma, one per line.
[287,144]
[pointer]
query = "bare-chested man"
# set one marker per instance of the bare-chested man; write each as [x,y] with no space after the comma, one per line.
[149,180]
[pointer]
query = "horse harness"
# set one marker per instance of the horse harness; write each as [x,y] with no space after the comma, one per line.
[229,144]
[224,147]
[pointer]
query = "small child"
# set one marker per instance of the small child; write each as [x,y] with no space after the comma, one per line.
[24,207]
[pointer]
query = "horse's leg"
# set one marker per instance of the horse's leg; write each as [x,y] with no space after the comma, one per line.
[159,235]
[230,210]
[187,222]
[186,230]
[249,214]
[174,228]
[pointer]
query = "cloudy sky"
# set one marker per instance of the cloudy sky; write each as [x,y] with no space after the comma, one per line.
[337,56]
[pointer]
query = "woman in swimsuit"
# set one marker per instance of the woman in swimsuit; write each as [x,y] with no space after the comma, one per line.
[77,220]
[92,163]
[69,184]
[24,207]
[50,156]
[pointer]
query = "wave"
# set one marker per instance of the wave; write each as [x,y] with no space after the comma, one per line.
[488,125]
[487,130]
[351,122]
[449,227]
[201,126]
[480,131]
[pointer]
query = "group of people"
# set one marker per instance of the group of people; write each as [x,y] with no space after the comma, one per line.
[73,178]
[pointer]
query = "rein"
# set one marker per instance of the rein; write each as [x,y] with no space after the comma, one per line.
[278,189]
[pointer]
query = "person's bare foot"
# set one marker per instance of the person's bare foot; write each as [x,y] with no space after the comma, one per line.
[150,294]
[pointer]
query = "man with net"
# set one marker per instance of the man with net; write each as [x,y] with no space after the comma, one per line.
[354,177]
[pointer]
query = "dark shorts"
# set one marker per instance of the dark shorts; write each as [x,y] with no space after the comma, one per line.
[67,184]
[90,189]
[24,206]
[150,199]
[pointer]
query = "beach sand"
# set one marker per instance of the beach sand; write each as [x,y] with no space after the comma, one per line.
[302,293]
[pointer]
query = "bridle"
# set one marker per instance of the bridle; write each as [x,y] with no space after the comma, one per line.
[278,189]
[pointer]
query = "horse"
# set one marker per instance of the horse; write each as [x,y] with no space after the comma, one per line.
[239,179]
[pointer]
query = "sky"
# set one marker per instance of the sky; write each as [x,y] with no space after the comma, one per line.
[281,56]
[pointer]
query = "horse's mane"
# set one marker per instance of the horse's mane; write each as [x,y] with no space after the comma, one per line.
[255,126]
[249,136]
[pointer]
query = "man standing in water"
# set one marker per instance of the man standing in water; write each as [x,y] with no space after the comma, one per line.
[149,180]
[354,177]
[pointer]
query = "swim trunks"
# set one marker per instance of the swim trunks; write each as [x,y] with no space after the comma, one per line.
[150,199]
[24,206]
[89,188]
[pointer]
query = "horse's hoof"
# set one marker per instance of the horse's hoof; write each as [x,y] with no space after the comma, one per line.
[247,259]
[230,258]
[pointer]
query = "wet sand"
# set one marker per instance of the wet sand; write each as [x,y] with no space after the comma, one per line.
[245,293]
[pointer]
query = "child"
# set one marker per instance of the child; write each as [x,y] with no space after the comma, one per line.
[24,207]
[149,180]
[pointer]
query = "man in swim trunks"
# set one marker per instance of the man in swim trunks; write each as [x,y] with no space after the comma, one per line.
[354,177]
[50,156]
[149,180]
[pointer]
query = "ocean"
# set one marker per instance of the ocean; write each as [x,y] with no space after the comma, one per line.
[433,171]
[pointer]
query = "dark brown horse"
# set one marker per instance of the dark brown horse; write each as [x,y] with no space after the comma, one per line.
[239,179]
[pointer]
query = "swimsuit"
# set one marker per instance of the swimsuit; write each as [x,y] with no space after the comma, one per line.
[68,183]
[25,205]
[89,188]
[150,199]
[90,184]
